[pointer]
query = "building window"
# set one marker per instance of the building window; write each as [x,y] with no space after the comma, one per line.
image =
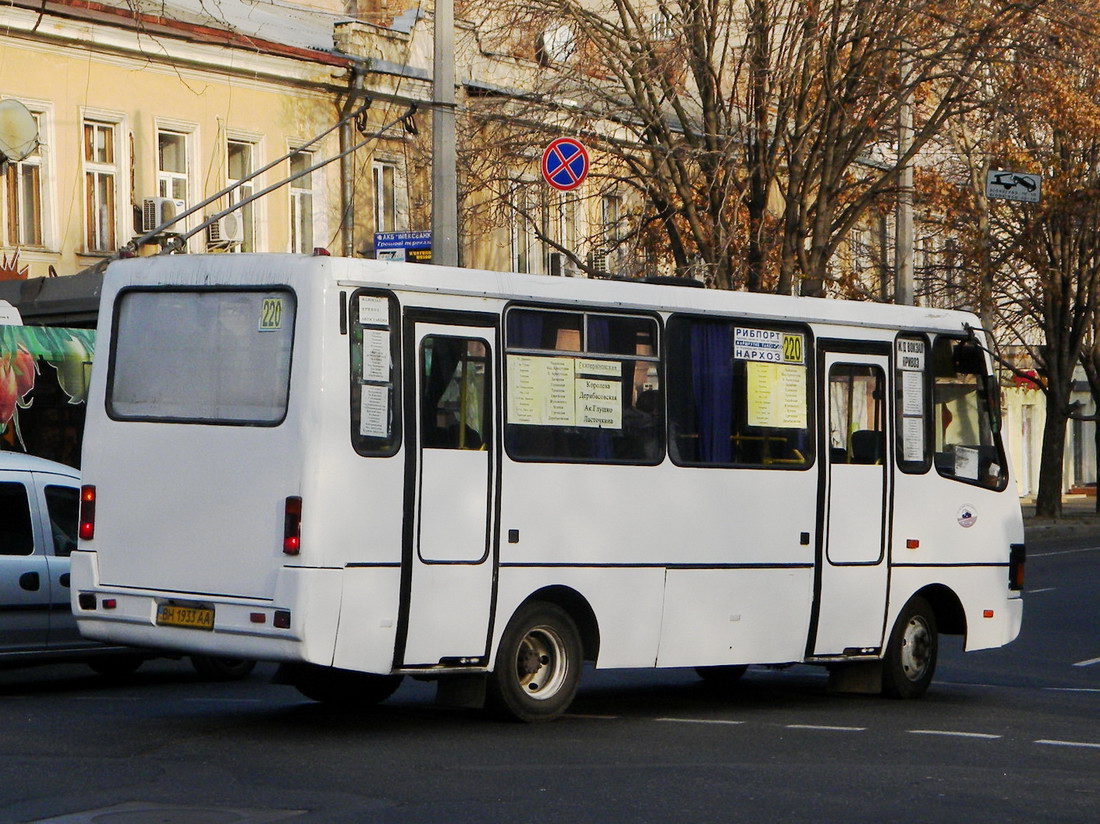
[302,198]
[100,189]
[385,196]
[23,186]
[529,213]
[241,157]
[172,165]
[612,231]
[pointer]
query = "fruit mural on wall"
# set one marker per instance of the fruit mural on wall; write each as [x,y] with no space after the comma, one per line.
[23,349]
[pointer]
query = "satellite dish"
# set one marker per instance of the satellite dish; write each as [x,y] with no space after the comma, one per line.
[18,131]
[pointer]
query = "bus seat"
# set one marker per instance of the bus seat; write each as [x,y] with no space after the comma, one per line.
[867,446]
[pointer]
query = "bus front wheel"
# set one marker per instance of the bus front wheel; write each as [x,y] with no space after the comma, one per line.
[910,659]
[538,667]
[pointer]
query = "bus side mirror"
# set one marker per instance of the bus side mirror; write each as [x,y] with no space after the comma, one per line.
[969,358]
[993,401]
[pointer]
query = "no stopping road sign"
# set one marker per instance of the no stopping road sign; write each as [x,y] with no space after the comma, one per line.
[565,164]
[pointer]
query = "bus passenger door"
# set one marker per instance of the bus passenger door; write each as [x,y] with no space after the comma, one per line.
[852,568]
[448,558]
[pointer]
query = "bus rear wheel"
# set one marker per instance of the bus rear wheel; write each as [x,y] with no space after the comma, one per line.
[910,660]
[538,666]
[336,686]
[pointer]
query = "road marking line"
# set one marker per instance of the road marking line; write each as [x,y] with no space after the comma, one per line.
[700,721]
[1084,744]
[955,734]
[1087,663]
[825,728]
[1071,689]
[1063,552]
[1043,589]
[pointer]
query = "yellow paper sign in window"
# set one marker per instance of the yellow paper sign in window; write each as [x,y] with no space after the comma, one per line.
[776,395]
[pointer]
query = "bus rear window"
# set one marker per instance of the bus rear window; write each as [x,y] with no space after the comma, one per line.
[202,356]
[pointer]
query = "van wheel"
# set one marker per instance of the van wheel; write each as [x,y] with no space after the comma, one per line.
[214,668]
[336,686]
[116,666]
[910,659]
[722,676]
[538,666]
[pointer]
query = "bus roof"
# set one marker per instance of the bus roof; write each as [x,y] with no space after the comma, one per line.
[298,271]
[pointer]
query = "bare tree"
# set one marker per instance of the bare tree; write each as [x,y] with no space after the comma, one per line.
[1038,265]
[755,135]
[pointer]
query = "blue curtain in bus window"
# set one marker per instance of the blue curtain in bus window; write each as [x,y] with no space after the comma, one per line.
[525,330]
[712,387]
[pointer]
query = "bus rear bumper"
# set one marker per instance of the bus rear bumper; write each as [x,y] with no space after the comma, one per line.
[297,624]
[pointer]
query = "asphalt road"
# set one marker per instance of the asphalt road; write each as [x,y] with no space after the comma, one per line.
[1003,736]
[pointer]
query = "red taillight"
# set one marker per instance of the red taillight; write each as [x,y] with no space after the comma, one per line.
[292,526]
[87,512]
[1017,558]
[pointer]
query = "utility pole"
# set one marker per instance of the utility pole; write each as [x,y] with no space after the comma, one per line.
[903,245]
[444,161]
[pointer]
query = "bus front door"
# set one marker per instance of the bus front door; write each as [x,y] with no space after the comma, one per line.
[447,580]
[852,570]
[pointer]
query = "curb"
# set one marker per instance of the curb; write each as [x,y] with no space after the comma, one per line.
[1062,528]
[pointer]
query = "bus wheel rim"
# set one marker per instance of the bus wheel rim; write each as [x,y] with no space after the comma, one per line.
[916,648]
[541,663]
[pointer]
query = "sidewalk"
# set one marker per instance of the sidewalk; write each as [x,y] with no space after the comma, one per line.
[1079,517]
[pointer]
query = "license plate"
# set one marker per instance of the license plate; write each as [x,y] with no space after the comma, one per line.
[184,615]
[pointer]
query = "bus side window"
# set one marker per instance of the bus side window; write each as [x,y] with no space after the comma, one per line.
[739,394]
[454,393]
[912,417]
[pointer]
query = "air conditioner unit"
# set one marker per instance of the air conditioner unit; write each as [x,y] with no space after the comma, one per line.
[598,262]
[226,229]
[157,211]
[562,265]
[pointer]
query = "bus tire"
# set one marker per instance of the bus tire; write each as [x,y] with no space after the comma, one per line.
[722,677]
[538,666]
[218,668]
[336,686]
[910,660]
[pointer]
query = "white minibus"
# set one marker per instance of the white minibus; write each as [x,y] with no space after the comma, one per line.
[366,469]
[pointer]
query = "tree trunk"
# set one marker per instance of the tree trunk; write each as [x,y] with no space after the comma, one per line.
[1048,503]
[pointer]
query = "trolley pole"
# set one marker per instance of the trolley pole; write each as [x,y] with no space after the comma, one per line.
[444,161]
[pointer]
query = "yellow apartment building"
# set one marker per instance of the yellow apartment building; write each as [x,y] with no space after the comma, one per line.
[147,109]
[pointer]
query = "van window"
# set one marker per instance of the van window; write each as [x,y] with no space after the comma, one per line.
[202,356]
[63,506]
[16,532]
